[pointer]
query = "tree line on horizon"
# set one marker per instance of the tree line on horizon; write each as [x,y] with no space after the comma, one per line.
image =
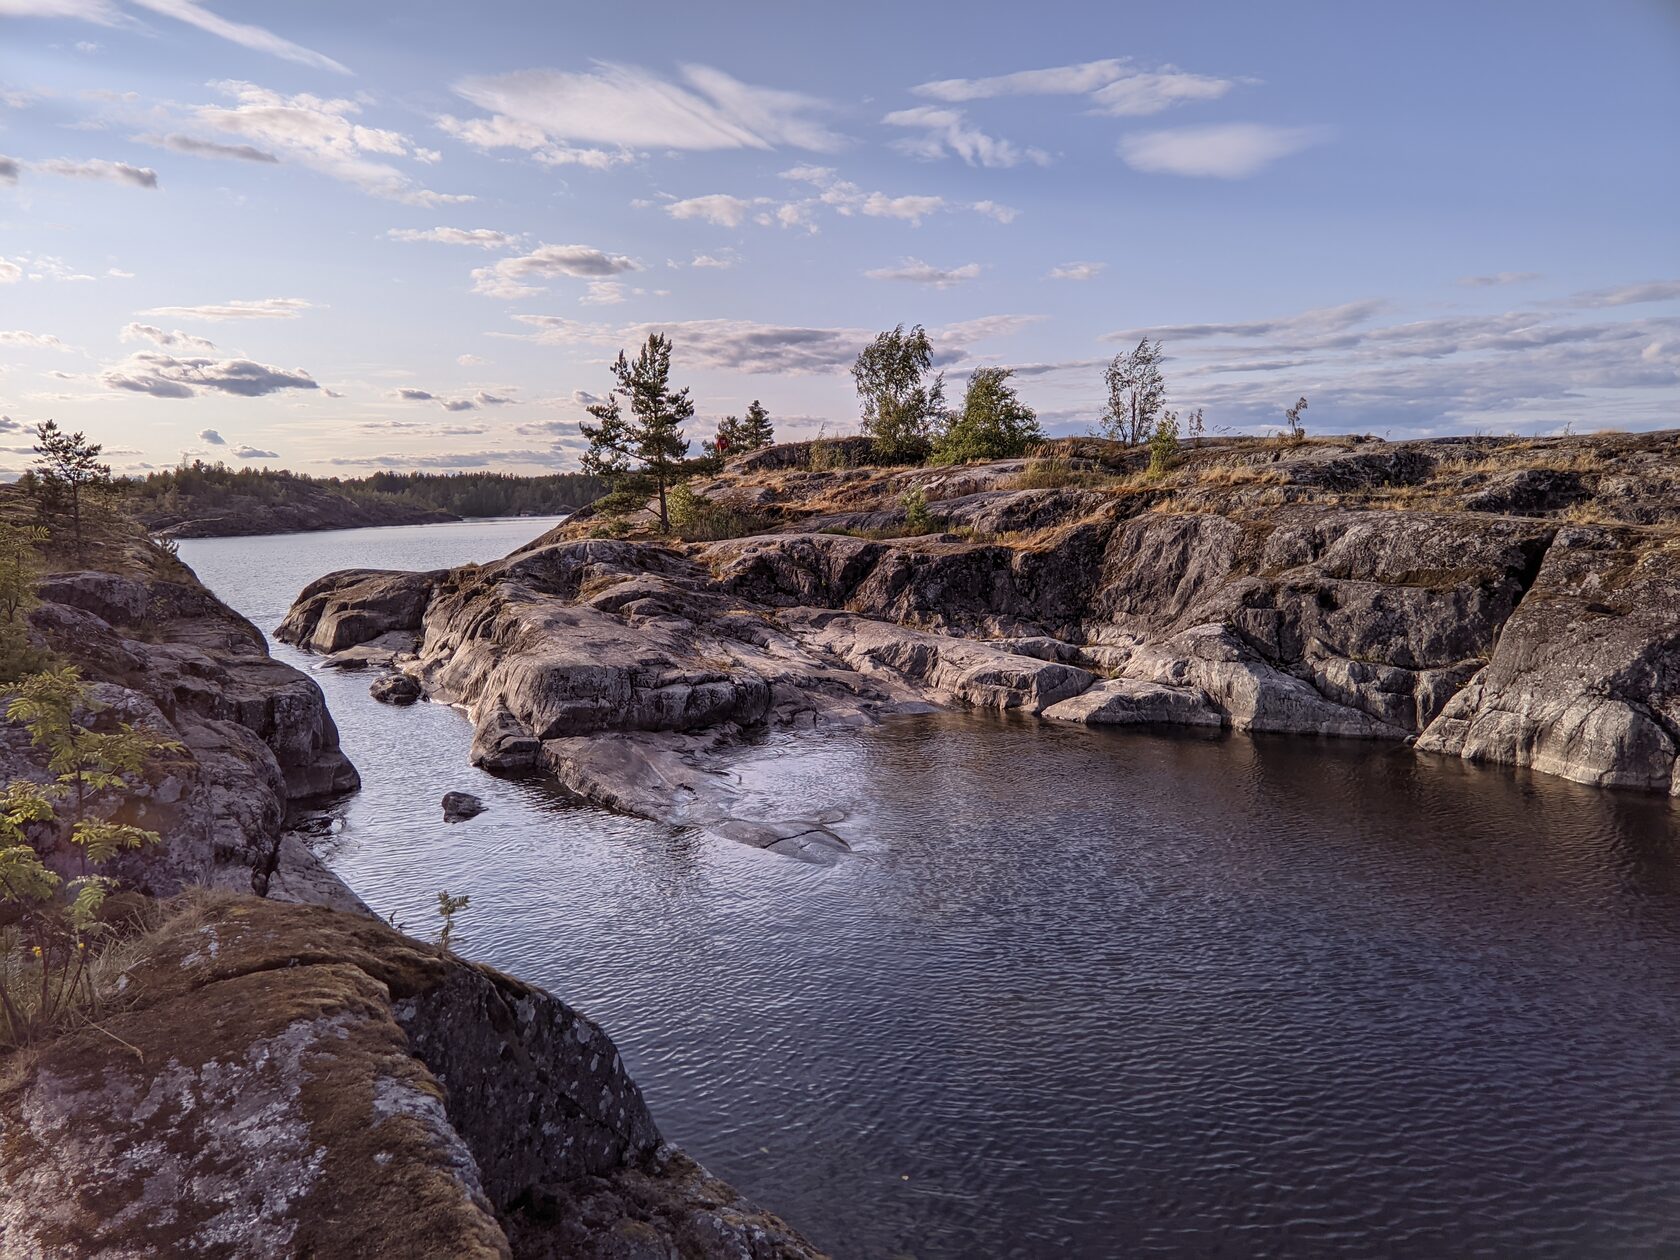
[637,439]
[199,484]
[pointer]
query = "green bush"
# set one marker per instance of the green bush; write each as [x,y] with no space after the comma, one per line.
[695,518]
[993,423]
[1163,445]
[917,518]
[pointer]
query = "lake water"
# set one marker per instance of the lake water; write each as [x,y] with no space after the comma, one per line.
[1081,993]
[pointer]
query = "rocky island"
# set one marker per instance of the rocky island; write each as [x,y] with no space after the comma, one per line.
[1505,601]
[271,1070]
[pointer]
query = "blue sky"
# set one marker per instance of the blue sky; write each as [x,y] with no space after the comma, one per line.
[345,237]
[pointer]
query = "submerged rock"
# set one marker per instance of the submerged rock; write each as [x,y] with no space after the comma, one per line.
[395,689]
[460,806]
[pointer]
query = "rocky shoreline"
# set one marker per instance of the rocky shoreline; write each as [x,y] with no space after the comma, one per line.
[280,1072]
[1507,602]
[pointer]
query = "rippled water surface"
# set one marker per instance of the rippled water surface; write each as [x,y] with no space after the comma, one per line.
[1079,992]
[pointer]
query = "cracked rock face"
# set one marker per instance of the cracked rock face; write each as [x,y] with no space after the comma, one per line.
[1585,680]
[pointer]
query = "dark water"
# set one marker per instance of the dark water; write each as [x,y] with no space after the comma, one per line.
[1084,993]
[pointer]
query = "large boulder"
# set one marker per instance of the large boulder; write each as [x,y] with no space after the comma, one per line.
[353,606]
[288,1080]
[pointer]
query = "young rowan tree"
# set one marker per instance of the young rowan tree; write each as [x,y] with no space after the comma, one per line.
[648,439]
[1292,418]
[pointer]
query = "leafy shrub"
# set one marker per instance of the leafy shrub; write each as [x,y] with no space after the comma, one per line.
[917,519]
[696,518]
[620,503]
[55,934]
[1163,445]
[993,423]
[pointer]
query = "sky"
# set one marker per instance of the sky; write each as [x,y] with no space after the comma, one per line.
[346,237]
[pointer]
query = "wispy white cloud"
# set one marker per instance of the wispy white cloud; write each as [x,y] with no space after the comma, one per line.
[254,452]
[1114,85]
[550,113]
[511,277]
[996,210]
[1627,295]
[239,308]
[915,271]
[1077,271]
[98,168]
[717,208]
[33,340]
[323,134]
[1220,151]
[106,13]
[1320,321]
[1498,278]
[947,132]
[481,238]
[210,437]
[245,35]
[170,340]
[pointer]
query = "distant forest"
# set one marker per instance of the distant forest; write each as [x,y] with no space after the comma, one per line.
[200,485]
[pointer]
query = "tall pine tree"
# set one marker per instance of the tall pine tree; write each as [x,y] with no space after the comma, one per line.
[648,438]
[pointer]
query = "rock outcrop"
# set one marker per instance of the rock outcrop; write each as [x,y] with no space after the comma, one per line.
[162,652]
[1448,592]
[283,1080]
[285,1075]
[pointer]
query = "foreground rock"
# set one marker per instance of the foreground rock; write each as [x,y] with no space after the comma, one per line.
[288,1081]
[398,689]
[268,1078]
[1350,588]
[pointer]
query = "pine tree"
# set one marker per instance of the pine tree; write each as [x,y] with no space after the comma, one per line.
[756,430]
[649,438]
[737,435]
[68,464]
